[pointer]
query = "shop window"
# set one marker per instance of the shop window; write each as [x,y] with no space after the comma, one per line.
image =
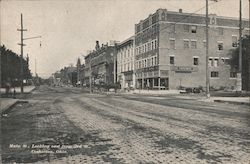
[214,74]
[196,61]
[171,61]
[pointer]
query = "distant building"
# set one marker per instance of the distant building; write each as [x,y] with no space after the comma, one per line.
[68,75]
[170,50]
[99,65]
[125,63]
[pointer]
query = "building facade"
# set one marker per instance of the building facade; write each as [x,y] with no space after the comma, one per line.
[170,50]
[99,65]
[125,64]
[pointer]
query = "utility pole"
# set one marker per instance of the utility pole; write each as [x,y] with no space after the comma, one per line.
[21,44]
[239,75]
[207,54]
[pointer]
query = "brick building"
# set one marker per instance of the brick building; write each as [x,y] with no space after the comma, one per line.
[170,50]
[125,63]
[99,65]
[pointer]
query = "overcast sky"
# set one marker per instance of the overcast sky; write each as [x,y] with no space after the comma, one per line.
[70,27]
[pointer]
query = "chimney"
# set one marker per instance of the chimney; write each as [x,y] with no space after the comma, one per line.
[97,46]
[180,10]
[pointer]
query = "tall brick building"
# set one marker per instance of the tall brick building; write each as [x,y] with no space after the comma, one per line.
[99,65]
[170,50]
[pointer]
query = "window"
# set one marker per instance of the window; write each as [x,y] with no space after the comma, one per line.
[216,62]
[220,46]
[233,74]
[149,62]
[186,28]
[152,61]
[171,61]
[210,62]
[149,46]
[172,28]
[172,44]
[196,61]
[156,44]
[193,29]
[214,74]
[156,61]
[220,30]
[193,44]
[152,45]
[186,44]
[234,41]
[204,44]
[225,60]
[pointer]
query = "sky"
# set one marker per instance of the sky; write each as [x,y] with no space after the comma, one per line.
[69,28]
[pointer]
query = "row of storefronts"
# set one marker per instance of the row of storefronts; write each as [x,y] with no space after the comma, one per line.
[167,51]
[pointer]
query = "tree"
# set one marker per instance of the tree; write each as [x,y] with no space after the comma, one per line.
[11,66]
[234,61]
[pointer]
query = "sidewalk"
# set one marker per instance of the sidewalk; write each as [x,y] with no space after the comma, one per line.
[152,92]
[230,100]
[199,97]
[6,103]
[26,89]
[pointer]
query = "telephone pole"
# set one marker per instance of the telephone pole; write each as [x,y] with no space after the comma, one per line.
[21,44]
[239,75]
[207,54]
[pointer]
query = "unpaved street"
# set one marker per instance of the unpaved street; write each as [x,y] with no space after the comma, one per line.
[79,127]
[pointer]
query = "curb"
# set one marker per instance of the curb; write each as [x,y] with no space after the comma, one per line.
[233,102]
[9,107]
[6,109]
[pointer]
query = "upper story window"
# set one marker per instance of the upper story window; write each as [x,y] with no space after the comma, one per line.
[234,41]
[204,44]
[172,28]
[193,44]
[220,31]
[196,61]
[214,74]
[156,62]
[156,45]
[171,60]
[193,29]
[233,74]
[172,43]
[216,62]
[220,46]
[186,44]
[210,62]
[186,28]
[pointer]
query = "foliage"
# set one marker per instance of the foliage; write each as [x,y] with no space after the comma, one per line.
[11,66]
